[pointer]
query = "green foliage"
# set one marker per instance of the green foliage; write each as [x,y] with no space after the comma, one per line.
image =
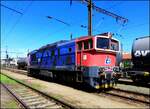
[127,64]
[33,85]
[6,80]
[12,105]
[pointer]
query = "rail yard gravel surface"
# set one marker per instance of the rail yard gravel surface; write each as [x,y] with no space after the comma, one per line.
[133,88]
[7,101]
[78,98]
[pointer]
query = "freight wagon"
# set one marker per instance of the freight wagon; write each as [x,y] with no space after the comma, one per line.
[141,60]
[90,59]
[22,63]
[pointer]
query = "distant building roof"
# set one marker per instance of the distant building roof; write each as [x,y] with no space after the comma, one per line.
[127,56]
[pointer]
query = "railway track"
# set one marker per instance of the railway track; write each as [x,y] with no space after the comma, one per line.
[119,93]
[130,82]
[24,72]
[128,96]
[29,97]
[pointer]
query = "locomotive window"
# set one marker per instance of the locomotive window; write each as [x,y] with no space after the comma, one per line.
[103,43]
[70,49]
[33,57]
[46,53]
[52,53]
[114,45]
[86,46]
[58,52]
[90,43]
[80,46]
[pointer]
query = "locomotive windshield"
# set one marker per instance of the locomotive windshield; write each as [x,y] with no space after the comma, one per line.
[106,43]
[114,45]
[103,43]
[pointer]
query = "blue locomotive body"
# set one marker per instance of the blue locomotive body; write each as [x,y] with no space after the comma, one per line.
[57,56]
[77,60]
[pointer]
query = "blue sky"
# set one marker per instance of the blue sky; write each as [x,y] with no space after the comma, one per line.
[33,30]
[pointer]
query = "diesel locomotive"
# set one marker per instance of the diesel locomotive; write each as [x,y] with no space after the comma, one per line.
[89,59]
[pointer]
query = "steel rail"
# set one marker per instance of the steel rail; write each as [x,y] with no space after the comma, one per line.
[131,92]
[125,97]
[24,72]
[134,84]
[15,96]
[129,98]
[64,104]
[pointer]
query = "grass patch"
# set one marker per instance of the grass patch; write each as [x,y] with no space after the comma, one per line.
[34,85]
[56,96]
[12,105]
[6,80]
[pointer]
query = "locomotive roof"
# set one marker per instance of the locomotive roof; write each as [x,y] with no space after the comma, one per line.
[102,34]
[58,43]
[53,44]
[48,46]
[142,37]
[32,52]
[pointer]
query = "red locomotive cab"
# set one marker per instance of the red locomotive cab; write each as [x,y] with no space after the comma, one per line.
[97,51]
[85,47]
[94,53]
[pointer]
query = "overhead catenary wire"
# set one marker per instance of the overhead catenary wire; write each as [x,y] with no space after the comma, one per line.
[14,11]
[122,26]
[101,10]
[138,25]
[129,28]
[68,24]
[103,18]
[18,20]
[50,17]
[11,9]
[83,26]
[111,7]
[75,24]
[98,24]
[119,30]
[12,52]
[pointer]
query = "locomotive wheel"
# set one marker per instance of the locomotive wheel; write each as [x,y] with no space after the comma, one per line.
[135,79]
[29,74]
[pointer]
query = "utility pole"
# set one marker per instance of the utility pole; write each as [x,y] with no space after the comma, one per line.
[28,50]
[91,6]
[89,17]
[71,36]
[6,61]
[6,53]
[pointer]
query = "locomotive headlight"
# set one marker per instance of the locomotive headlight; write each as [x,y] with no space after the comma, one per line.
[146,73]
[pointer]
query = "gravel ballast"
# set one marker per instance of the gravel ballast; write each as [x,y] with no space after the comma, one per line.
[7,100]
[72,96]
[134,88]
